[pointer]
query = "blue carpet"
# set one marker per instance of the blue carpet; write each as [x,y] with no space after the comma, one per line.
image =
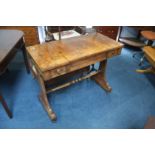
[83,105]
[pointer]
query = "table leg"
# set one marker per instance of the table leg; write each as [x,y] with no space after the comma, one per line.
[25,58]
[4,104]
[32,69]
[44,99]
[100,78]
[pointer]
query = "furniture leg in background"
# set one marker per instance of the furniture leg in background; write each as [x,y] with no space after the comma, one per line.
[4,104]
[25,57]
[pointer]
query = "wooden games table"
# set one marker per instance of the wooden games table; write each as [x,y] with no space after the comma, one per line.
[52,60]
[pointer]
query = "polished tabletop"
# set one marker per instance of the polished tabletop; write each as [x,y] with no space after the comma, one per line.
[54,54]
[8,39]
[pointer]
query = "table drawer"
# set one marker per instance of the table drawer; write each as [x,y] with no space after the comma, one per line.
[79,64]
[113,53]
[56,72]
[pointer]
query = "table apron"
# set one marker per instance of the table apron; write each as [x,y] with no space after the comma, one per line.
[47,75]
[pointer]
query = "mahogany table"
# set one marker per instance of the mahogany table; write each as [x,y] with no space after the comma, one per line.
[10,42]
[52,60]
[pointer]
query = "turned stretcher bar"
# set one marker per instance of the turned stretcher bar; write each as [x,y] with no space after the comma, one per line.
[73,81]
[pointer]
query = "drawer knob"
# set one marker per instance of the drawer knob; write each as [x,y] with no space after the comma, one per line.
[61,70]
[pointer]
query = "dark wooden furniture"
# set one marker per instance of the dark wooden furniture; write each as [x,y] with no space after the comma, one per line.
[56,59]
[4,104]
[10,42]
[31,36]
[110,31]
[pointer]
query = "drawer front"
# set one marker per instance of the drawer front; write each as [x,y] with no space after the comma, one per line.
[74,66]
[113,53]
[56,72]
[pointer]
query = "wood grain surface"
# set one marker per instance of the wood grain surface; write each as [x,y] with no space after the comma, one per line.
[54,54]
